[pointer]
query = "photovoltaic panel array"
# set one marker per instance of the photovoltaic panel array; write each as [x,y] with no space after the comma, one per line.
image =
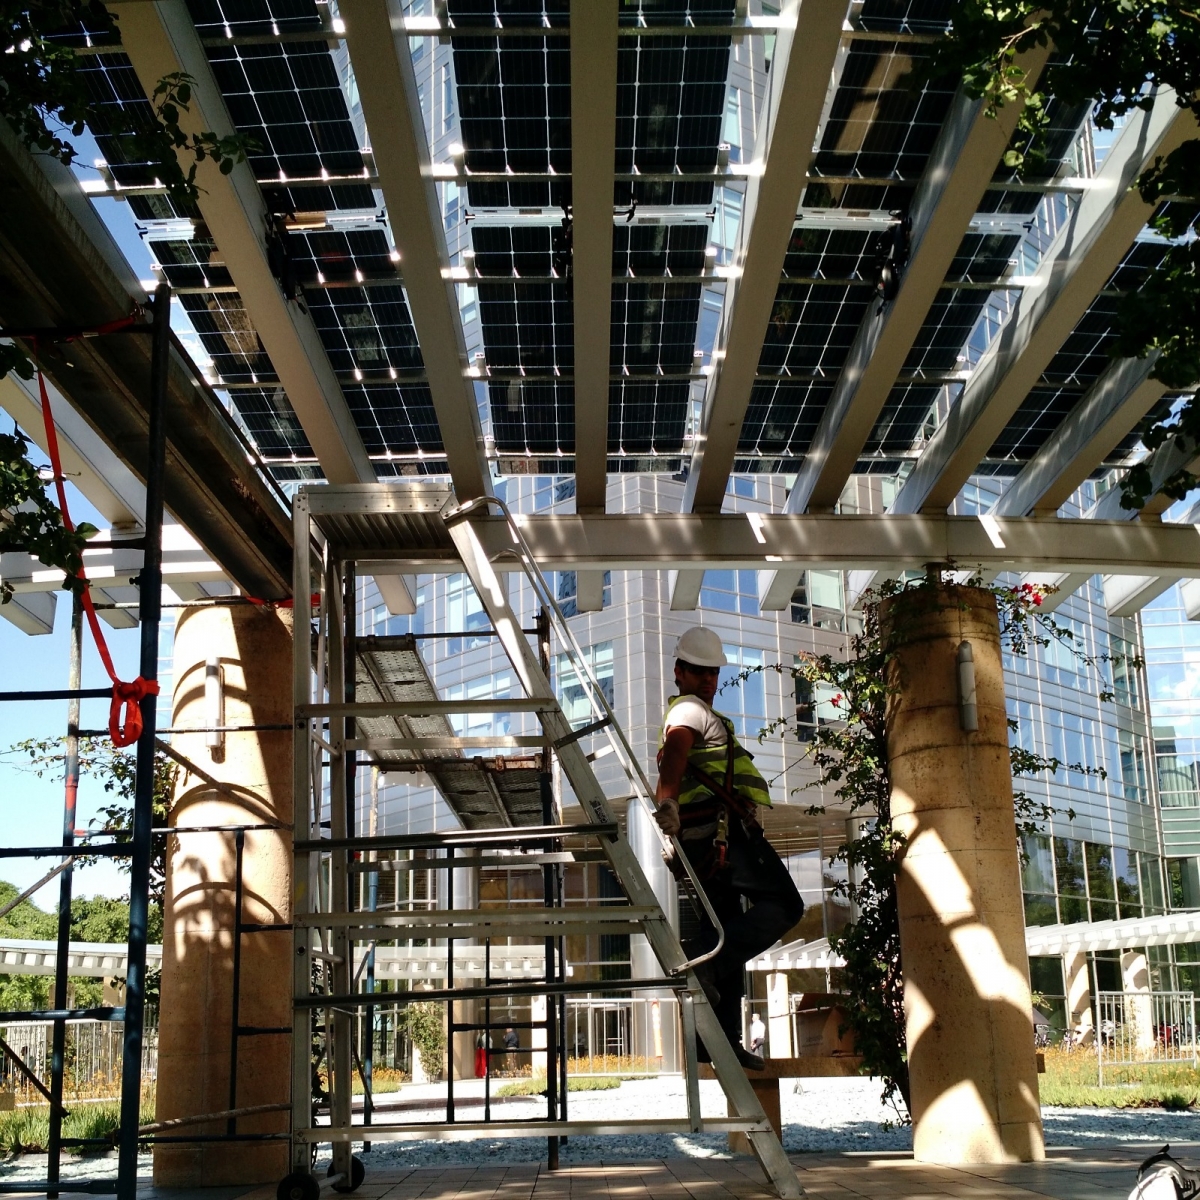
[514,100]
[288,98]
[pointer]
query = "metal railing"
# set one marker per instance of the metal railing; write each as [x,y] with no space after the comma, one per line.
[1145,1029]
[92,1057]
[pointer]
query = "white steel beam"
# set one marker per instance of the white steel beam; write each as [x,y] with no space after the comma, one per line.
[107,484]
[961,165]
[1125,595]
[797,86]
[1163,462]
[1077,265]
[1117,401]
[183,561]
[593,162]
[383,69]
[32,613]
[160,39]
[1066,586]
[1190,590]
[722,541]
[684,587]
[589,591]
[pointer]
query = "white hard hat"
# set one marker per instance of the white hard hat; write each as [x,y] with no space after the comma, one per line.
[701,647]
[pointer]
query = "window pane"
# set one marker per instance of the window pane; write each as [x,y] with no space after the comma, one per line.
[1068,862]
[825,588]
[1037,872]
[1039,910]
[1100,871]
[1129,894]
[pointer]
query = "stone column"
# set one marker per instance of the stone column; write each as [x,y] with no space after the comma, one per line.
[1139,1008]
[1079,996]
[779,1018]
[251,650]
[968,1014]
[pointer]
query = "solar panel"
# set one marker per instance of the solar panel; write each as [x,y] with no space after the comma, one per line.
[512,101]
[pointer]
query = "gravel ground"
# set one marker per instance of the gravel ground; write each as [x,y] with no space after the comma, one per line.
[819,1115]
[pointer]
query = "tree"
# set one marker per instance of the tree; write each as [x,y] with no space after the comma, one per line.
[851,758]
[100,919]
[116,771]
[1111,54]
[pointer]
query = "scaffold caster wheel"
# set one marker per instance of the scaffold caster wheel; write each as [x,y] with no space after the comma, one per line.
[357,1174]
[299,1185]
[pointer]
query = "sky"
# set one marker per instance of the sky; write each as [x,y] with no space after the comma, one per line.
[31,809]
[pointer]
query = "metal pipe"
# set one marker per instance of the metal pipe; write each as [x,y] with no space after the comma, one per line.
[368,1056]
[70,798]
[150,589]
[239,856]
[968,707]
[36,887]
[71,693]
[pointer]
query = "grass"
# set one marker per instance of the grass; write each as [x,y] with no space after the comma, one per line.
[383,1079]
[537,1085]
[27,1130]
[1070,1082]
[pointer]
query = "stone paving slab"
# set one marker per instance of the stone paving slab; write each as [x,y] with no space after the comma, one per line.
[1101,1173]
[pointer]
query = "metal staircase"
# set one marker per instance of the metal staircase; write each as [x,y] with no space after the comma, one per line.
[342,720]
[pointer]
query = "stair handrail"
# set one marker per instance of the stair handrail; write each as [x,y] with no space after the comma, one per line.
[599,705]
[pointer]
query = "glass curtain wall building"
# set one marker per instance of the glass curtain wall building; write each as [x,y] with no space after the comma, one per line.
[1124,840]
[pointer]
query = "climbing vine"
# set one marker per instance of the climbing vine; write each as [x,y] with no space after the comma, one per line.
[851,760]
[116,771]
[1109,54]
[423,1023]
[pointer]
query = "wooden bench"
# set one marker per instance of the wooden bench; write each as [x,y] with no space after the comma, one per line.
[766,1084]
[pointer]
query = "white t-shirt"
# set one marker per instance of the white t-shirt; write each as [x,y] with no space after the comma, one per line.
[692,713]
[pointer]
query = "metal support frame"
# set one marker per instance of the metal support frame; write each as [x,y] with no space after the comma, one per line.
[139,847]
[1116,402]
[383,66]
[160,39]
[805,50]
[338,927]
[961,165]
[1077,265]
[143,801]
[593,160]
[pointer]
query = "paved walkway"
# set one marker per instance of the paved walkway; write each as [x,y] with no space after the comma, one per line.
[1067,1174]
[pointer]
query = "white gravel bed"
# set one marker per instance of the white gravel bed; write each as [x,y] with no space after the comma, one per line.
[819,1115]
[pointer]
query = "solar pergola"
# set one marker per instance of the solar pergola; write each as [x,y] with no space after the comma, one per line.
[591,167]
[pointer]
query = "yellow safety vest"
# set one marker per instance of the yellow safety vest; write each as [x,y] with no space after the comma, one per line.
[712,761]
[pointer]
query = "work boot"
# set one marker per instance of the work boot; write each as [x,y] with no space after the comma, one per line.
[749,1060]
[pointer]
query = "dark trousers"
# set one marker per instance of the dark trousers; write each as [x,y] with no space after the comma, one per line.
[757,874]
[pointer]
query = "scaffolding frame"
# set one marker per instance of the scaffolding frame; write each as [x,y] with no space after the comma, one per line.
[138,848]
[334,529]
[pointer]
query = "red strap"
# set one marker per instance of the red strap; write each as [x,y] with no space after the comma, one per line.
[124,728]
[313,600]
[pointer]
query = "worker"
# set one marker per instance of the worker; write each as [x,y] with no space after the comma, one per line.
[709,794]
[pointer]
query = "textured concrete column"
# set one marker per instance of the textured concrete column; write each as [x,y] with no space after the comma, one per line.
[969,1021]
[1139,1008]
[1079,996]
[779,1017]
[253,648]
